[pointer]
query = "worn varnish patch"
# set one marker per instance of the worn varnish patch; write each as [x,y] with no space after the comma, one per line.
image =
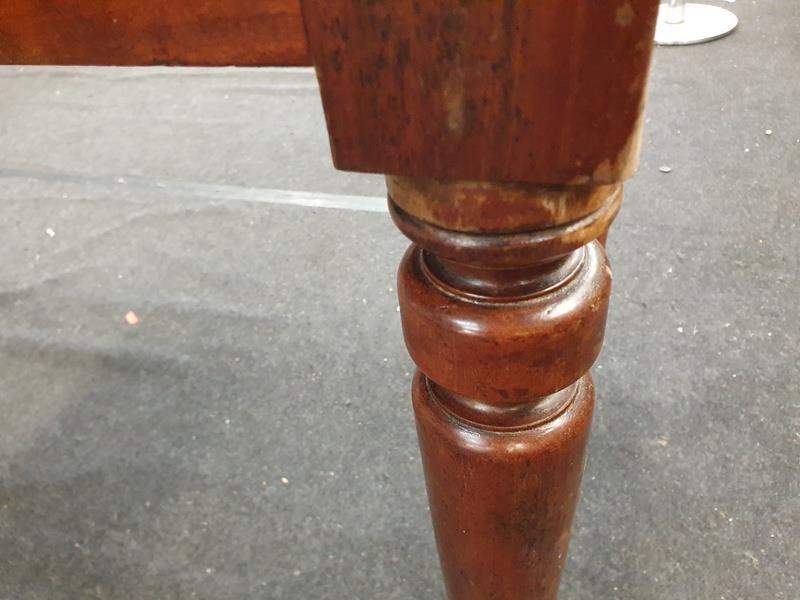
[482,207]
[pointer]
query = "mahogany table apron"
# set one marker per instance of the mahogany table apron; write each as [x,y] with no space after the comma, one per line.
[505,130]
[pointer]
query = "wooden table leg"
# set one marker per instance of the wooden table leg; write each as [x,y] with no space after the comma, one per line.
[503,328]
[507,128]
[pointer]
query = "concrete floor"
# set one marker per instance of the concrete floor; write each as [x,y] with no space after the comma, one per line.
[252,436]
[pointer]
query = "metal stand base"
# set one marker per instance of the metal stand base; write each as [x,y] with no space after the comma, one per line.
[701,23]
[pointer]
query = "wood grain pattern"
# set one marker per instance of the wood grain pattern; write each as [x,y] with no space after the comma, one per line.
[152,32]
[546,91]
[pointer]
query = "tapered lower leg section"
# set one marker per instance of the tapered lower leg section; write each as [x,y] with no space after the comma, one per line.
[502,499]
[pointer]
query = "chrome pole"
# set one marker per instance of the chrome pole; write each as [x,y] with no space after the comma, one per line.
[676,11]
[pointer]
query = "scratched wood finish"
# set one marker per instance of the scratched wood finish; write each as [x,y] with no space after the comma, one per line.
[546,91]
[152,32]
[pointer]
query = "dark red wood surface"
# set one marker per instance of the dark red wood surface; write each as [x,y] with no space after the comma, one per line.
[503,501]
[546,91]
[152,32]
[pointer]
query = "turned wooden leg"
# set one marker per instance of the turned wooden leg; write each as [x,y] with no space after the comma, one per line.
[506,128]
[503,328]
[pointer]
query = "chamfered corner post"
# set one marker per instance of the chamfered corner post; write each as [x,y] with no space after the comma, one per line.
[505,130]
